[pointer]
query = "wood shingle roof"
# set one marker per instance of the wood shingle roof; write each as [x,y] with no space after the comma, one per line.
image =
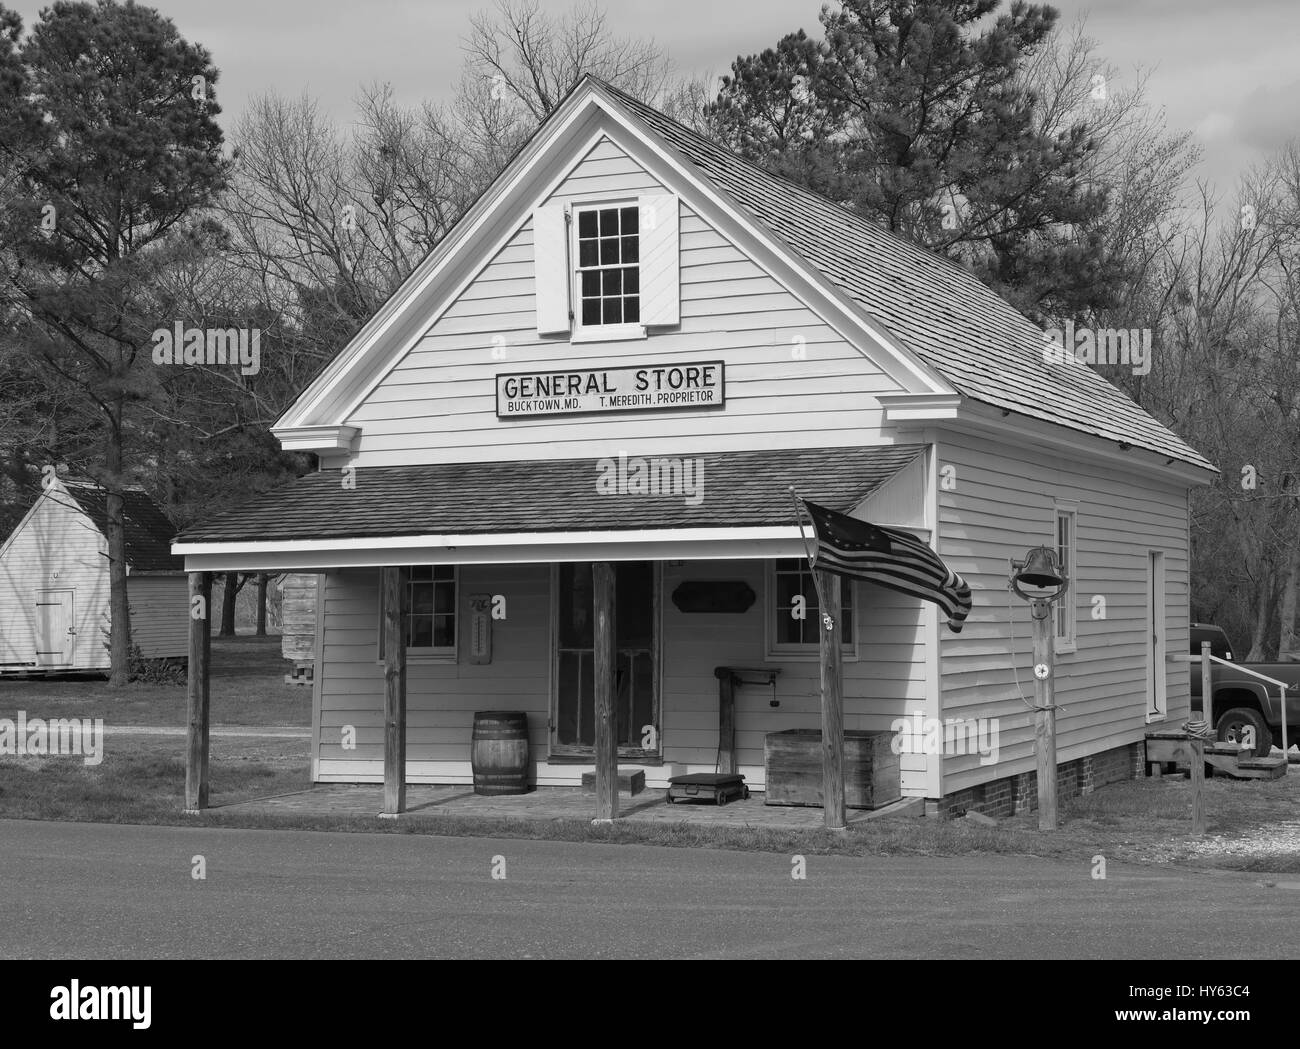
[961,328]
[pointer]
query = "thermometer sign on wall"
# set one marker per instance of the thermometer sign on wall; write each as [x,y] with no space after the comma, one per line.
[480,628]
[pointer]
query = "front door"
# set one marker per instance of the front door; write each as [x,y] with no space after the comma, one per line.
[55,632]
[636,679]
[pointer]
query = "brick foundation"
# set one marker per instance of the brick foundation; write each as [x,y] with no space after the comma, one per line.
[1013,795]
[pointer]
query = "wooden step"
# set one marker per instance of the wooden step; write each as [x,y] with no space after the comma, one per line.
[1261,768]
[630,781]
[1222,757]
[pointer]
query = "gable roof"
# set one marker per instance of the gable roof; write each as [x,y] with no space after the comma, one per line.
[148,533]
[954,332]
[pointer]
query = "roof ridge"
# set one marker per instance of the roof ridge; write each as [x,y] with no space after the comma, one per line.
[909,245]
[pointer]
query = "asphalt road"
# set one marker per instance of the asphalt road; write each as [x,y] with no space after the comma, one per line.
[79,890]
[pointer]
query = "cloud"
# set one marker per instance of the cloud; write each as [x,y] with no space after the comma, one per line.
[1269,117]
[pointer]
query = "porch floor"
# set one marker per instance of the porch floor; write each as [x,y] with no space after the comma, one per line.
[549,803]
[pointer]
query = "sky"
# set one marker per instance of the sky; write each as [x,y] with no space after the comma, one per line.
[1229,72]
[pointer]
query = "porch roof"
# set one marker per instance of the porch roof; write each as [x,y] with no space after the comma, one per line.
[542,502]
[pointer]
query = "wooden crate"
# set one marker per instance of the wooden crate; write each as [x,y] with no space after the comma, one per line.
[298,616]
[793,761]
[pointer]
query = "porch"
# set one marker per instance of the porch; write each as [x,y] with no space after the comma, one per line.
[616,645]
[549,804]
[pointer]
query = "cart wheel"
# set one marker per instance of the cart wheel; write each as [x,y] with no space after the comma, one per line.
[668,798]
[722,799]
[746,793]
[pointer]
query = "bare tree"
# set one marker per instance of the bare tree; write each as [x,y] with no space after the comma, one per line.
[531,60]
[328,224]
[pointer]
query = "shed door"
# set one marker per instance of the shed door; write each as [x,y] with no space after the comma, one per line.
[55,632]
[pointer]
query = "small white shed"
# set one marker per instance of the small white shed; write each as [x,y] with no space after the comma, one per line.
[54,586]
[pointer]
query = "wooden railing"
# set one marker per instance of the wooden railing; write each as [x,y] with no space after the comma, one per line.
[1207,658]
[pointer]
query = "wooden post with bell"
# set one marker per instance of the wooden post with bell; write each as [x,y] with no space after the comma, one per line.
[1040,610]
[1039,570]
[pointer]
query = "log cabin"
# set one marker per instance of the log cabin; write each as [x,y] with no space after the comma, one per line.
[555,473]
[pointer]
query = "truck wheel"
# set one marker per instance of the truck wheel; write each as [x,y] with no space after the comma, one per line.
[1242,721]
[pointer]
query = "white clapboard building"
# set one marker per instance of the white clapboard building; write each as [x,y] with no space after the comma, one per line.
[626,353]
[54,586]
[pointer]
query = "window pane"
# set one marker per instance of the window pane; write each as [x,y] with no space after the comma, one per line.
[631,280]
[444,631]
[586,224]
[613,311]
[631,310]
[612,281]
[421,599]
[631,250]
[444,595]
[590,283]
[421,633]
[444,571]
[609,223]
[609,252]
[590,311]
[588,253]
[629,220]
[575,585]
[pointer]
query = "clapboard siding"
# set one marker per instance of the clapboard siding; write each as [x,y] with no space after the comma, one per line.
[57,548]
[441,696]
[885,682]
[438,404]
[1003,504]
[160,622]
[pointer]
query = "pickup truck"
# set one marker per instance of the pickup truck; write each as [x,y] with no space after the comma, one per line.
[1246,710]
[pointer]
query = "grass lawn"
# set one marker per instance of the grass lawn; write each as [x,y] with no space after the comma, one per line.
[247,689]
[142,779]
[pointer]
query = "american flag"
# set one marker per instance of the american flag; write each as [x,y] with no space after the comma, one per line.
[889,558]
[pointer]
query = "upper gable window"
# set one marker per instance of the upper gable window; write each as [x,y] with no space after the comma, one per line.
[609,266]
[607,269]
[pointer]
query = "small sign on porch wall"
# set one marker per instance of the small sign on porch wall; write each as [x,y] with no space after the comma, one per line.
[480,628]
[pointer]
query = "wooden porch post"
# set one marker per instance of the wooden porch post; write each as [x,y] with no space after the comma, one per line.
[393,599]
[198,691]
[832,678]
[726,719]
[606,660]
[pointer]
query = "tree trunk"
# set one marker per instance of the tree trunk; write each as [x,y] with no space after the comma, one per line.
[1286,631]
[1259,636]
[262,579]
[119,633]
[228,595]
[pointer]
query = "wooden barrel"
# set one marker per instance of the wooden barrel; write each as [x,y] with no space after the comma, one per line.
[499,755]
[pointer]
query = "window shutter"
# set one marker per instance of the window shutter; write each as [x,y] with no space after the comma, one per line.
[551,268]
[660,261]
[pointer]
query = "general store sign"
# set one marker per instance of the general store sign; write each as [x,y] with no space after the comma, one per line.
[641,387]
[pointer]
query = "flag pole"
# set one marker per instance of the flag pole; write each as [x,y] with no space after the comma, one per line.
[809,553]
[830,648]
